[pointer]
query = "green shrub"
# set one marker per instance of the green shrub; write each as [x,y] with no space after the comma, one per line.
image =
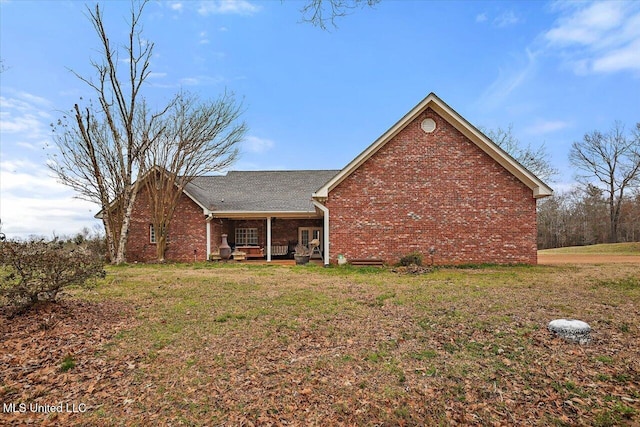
[414,258]
[36,270]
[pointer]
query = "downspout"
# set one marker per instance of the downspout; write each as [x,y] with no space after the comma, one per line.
[325,230]
[208,218]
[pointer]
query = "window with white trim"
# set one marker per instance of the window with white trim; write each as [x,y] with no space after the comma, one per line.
[152,234]
[246,236]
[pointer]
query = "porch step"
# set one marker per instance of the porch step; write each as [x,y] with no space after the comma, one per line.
[367,261]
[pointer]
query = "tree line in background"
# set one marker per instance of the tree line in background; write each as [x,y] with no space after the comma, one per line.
[581,216]
[605,206]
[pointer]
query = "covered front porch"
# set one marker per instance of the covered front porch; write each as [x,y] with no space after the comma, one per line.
[268,237]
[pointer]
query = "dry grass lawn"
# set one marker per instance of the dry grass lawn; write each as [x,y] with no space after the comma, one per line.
[272,345]
[594,254]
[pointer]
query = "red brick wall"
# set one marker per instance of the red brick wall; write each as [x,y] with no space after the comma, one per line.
[187,232]
[433,190]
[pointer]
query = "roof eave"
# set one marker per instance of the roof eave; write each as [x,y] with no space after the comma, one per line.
[264,214]
[542,191]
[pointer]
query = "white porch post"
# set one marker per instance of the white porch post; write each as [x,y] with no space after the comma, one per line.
[208,219]
[268,239]
[325,230]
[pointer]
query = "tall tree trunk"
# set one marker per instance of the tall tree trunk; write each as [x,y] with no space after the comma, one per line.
[613,238]
[111,247]
[161,246]
[121,254]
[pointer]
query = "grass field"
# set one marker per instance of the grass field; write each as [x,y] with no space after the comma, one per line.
[602,249]
[271,345]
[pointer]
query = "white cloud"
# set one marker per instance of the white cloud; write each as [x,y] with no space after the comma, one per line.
[201,80]
[597,37]
[24,119]
[482,17]
[625,58]
[31,201]
[224,7]
[257,145]
[28,145]
[34,203]
[204,39]
[587,24]
[588,37]
[506,19]
[27,123]
[510,79]
[177,6]
[546,126]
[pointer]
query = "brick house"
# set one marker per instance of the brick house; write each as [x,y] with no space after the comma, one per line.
[432,181]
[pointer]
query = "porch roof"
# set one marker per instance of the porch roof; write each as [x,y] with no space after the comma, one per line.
[251,193]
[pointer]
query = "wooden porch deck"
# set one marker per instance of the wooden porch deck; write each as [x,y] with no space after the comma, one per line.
[289,262]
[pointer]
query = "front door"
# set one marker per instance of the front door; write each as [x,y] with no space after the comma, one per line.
[308,234]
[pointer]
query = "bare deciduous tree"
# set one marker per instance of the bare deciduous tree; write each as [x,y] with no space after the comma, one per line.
[104,148]
[611,161]
[321,12]
[197,139]
[100,145]
[536,160]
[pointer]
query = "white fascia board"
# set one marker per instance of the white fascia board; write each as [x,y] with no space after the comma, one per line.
[264,214]
[373,148]
[539,188]
[205,210]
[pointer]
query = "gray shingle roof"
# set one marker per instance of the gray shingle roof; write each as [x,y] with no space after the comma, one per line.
[259,191]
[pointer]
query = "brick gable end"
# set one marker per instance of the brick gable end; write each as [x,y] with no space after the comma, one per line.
[439,190]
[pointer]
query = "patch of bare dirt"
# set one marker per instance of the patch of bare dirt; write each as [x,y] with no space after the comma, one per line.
[557,259]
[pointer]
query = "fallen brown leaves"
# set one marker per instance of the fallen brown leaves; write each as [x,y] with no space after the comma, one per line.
[33,351]
[281,346]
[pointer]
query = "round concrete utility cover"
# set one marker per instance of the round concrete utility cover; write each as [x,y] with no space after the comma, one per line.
[571,330]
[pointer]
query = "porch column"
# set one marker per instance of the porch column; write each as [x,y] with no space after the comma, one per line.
[268,239]
[208,220]
[325,230]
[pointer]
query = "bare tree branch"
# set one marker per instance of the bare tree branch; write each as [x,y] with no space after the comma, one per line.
[536,160]
[197,138]
[322,12]
[99,148]
[611,159]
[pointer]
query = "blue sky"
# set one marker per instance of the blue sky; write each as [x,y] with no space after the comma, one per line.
[315,99]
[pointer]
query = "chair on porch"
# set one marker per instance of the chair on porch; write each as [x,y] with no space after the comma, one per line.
[279,250]
[314,248]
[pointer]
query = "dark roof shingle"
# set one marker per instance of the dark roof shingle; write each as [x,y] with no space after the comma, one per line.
[259,191]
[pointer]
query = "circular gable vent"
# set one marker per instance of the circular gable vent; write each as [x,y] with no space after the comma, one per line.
[428,125]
